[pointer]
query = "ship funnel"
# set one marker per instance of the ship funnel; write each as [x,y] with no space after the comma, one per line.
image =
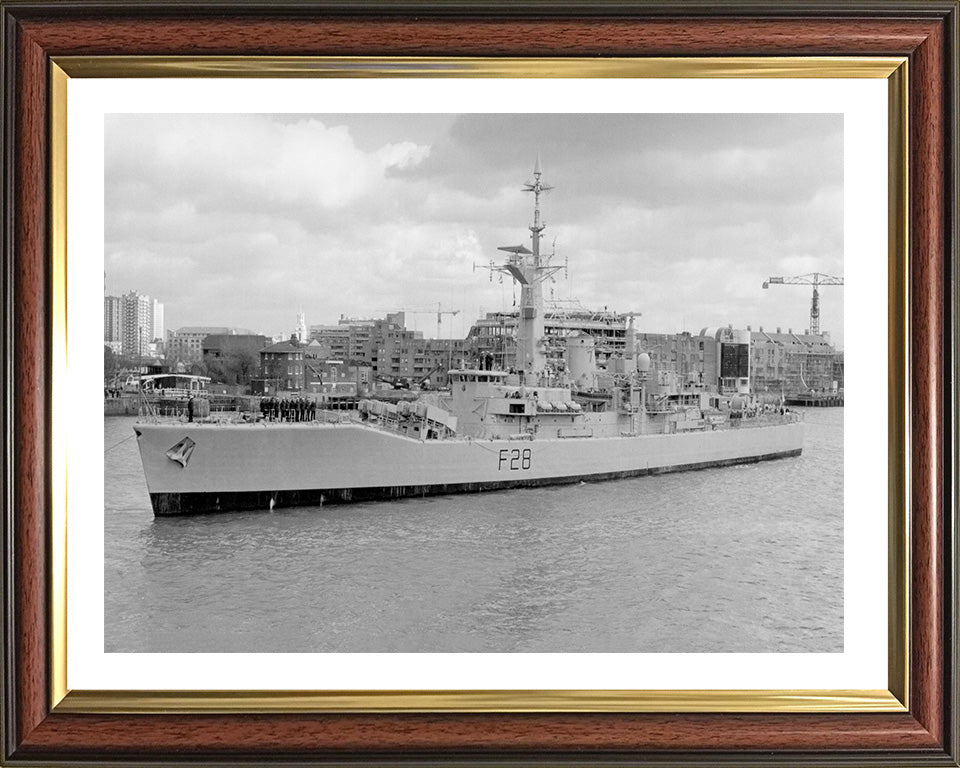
[581,359]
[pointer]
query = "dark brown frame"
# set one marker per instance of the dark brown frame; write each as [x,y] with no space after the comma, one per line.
[925,32]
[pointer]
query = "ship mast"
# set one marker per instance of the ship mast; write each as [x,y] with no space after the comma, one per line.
[529,269]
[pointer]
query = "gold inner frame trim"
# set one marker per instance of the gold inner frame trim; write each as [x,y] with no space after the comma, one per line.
[432,66]
[58,369]
[893,69]
[898,414]
[131,702]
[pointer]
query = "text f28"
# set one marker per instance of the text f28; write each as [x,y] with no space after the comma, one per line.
[514,459]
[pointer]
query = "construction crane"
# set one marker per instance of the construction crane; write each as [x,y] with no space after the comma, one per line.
[816,279]
[439,312]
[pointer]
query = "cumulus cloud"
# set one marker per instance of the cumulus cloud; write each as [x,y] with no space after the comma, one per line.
[242,219]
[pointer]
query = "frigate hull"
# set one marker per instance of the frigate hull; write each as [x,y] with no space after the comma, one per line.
[196,468]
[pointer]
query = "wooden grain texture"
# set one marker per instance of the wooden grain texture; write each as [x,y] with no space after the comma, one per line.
[300,734]
[864,738]
[29,372]
[465,37]
[927,353]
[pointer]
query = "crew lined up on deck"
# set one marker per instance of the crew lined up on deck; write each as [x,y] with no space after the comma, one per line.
[288,409]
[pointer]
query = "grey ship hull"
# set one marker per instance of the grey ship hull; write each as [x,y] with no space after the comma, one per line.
[234,467]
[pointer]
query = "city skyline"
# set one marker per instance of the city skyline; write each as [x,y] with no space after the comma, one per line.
[132,321]
[245,219]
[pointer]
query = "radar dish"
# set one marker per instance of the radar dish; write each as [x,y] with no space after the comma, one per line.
[515,249]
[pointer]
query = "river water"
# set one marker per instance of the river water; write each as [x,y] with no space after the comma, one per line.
[738,559]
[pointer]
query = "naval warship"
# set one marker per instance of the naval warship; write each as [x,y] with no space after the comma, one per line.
[538,423]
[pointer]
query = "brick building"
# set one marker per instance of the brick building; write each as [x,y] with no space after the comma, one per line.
[793,362]
[282,363]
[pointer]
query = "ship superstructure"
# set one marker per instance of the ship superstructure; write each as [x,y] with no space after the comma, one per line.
[538,422]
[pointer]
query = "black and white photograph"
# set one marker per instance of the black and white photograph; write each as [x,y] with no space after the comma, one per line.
[473,383]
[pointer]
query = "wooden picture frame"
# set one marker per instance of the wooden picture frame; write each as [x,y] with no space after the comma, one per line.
[41,727]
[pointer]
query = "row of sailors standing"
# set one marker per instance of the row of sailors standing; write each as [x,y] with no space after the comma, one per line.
[288,409]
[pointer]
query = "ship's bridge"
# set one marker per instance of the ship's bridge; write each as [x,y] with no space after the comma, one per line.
[475,376]
[467,385]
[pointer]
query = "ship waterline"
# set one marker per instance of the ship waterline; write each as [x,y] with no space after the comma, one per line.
[235,466]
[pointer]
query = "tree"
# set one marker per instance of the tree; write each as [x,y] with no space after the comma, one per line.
[236,366]
[216,369]
[244,364]
[110,365]
[197,368]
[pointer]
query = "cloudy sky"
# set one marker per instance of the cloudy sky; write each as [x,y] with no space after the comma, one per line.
[243,219]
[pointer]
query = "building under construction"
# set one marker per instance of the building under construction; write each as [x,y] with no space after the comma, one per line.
[492,338]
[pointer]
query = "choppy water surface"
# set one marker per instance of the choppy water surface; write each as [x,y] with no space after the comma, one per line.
[746,559]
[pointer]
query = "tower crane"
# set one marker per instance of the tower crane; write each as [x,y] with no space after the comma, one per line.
[440,312]
[816,279]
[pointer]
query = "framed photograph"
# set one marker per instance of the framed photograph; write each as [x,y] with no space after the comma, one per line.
[476,383]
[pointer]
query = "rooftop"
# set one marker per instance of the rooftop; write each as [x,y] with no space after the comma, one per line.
[808,339]
[213,329]
[283,346]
